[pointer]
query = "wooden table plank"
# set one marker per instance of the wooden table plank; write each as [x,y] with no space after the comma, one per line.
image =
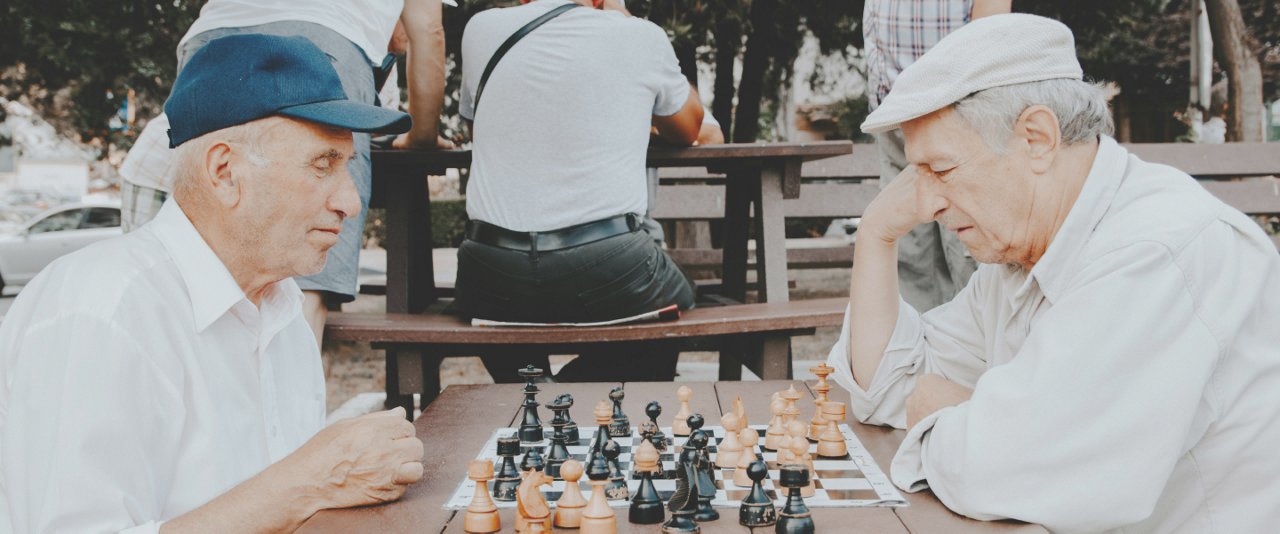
[925,513]
[755,400]
[460,415]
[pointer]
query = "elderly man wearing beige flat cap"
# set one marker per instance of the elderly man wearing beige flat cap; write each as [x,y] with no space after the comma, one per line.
[1114,364]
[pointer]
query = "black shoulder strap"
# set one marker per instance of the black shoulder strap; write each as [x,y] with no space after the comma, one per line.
[511,41]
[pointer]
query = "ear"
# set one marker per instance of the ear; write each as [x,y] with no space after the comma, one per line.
[220,175]
[1037,128]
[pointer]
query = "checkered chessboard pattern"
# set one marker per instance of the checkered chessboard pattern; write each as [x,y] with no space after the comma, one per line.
[851,481]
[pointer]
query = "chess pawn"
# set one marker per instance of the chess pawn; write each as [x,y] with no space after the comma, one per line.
[653,410]
[800,455]
[482,514]
[569,506]
[819,423]
[617,488]
[757,508]
[508,478]
[831,443]
[728,451]
[795,517]
[680,427]
[597,517]
[748,437]
[777,426]
[646,506]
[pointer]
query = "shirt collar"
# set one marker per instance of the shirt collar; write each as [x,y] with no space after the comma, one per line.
[1100,186]
[212,289]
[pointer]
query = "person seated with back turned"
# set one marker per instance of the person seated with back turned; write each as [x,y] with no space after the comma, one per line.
[1114,364]
[167,380]
[557,191]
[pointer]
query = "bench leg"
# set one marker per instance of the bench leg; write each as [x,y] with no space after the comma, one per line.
[730,366]
[394,396]
[769,357]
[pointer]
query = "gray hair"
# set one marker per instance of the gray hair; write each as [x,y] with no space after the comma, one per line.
[187,158]
[1081,108]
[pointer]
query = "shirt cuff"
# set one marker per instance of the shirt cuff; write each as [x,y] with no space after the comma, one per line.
[151,527]
[907,468]
[901,357]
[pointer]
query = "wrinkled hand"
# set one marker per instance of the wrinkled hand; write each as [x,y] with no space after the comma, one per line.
[933,393]
[894,212]
[362,460]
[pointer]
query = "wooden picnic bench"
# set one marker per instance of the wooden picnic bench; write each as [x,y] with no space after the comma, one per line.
[755,335]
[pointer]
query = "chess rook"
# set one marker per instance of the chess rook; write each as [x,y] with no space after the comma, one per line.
[482,514]
[795,517]
[508,478]
[831,442]
[530,425]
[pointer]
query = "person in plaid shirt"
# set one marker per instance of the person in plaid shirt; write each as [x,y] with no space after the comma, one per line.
[932,264]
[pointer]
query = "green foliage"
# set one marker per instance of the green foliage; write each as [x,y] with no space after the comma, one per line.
[64,57]
[849,115]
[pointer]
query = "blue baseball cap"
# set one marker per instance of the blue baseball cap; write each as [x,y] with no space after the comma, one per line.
[241,78]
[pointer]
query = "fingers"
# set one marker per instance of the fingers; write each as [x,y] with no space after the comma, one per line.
[393,423]
[408,473]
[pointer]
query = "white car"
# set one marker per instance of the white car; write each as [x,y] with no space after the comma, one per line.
[27,249]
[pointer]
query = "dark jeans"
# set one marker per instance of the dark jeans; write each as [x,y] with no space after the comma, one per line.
[616,277]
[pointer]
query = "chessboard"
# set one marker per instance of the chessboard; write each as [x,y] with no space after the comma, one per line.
[850,481]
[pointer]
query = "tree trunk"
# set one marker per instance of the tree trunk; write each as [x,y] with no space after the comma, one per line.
[1235,52]
[728,43]
[754,63]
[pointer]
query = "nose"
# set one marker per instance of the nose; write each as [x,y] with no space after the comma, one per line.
[345,200]
[930,200]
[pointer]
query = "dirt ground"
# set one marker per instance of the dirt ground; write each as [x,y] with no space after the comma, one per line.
[354,368]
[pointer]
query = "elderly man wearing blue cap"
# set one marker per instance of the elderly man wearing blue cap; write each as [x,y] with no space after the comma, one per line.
[1114,363]
[167,379]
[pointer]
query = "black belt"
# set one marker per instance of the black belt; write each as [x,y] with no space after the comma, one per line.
[483,232]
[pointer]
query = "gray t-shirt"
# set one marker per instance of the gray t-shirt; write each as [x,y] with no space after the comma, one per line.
[567,111]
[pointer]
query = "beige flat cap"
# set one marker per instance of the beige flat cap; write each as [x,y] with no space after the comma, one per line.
[988,52]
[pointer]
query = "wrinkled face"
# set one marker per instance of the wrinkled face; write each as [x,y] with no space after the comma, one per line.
[986,198]
[293,206]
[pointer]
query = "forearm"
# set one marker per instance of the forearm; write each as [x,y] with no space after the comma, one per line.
[271,501]
[984,8]
[873,306]
[424,67]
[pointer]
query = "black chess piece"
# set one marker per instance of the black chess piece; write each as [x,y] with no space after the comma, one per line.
[533,459]
[795,517]
[558,452]
[617,488]
[620,427]
[507,478]
[702,471]
[659,439]
[646,505]
[757,508]
[531,425]
[684,502]
[647,432]
[571,434]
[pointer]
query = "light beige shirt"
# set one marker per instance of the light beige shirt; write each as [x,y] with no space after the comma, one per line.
[1130,381]
[137,383]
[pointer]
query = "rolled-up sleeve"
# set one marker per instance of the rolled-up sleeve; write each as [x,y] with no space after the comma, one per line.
[1083,428]
[946,340]
[88,440]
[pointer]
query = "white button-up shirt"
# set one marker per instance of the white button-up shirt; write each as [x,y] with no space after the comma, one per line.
[139,383]
[1129,381]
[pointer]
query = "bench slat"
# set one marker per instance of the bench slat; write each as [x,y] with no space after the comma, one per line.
[717,321]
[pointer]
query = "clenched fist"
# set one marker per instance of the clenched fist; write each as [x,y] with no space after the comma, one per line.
[362,460]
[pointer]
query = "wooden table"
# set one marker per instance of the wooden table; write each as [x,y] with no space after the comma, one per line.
[456,425]
[758,177]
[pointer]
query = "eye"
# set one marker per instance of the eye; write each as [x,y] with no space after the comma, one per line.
[943,174]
